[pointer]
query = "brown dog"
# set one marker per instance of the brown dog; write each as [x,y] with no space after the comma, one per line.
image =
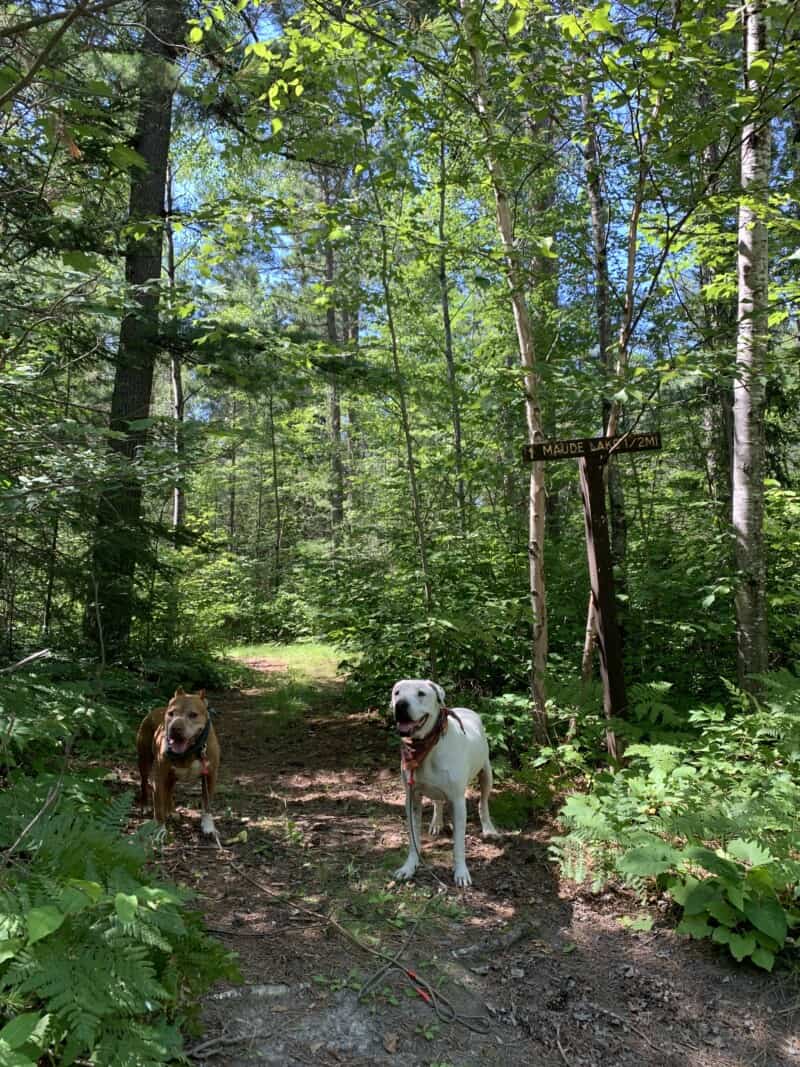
[178,744]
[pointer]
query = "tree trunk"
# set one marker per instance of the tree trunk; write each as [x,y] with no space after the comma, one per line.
[413,486]
[176,378]
[120,540]
[522,321]
[232,482]
[455,408]
[276,495]
[334,405]
[748,387]
[405,422]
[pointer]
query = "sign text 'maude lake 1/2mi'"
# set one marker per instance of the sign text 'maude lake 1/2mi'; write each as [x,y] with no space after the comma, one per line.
[590,446]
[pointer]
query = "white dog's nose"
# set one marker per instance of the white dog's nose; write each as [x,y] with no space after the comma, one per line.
[401,709]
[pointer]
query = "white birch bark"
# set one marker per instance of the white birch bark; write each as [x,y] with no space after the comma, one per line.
[748,387]
[522,321]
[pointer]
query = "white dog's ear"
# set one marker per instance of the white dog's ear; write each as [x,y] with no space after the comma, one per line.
[439,691]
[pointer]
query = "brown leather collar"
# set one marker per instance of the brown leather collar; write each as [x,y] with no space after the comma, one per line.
[414,751]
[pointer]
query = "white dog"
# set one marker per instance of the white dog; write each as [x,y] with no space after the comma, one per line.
[443,750]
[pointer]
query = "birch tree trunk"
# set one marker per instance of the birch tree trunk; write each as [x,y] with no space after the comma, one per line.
[522,321]
[748,386]
[176,376]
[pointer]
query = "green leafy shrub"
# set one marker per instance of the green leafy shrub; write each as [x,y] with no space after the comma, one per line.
[712,821]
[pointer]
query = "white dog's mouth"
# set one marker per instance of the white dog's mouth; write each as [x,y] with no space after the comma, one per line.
[408,729]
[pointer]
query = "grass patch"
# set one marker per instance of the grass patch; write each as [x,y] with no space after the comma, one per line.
[305,660]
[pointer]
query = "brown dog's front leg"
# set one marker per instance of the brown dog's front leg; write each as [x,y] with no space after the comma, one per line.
[145,767]
[207,819]
[163,796]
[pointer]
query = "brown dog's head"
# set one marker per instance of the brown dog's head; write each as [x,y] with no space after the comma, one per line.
[185,720]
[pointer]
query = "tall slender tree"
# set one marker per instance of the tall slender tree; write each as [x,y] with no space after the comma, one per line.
[751,352]
[516,279]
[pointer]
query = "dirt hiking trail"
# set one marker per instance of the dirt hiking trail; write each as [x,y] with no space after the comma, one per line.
[310,810]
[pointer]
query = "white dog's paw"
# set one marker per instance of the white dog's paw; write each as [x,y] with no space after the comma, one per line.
[489,830]
[436,826]
[405,873]
[461,876]
[208,829]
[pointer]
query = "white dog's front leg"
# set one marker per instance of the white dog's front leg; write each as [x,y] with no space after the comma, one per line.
[437,819]
[460,872]
[407,871]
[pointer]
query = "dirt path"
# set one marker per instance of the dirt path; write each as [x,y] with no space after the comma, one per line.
[311,808]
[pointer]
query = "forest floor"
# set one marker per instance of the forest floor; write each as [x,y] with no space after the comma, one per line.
[310,811]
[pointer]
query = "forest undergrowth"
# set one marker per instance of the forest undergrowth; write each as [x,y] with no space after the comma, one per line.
[103,954]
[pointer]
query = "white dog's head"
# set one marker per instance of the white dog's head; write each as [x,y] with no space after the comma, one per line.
[416,703]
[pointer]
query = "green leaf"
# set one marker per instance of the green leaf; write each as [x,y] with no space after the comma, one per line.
[21,1028]
[694,926]
[724,913]
[741,945]
[516,22]
[9,948]
[699,897]
[769,917]
[195,35]
[79,261]
[760,879]
[126,906]
[758,69]
[72,900]
[124,157]
[93,890]
[749,852]
[599,20]
[646,861]
[42,922]
[762,957]
[10,1058]
[714,863]
[642,922]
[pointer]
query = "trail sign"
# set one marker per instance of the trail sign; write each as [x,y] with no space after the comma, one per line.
[593,454]
[592,446]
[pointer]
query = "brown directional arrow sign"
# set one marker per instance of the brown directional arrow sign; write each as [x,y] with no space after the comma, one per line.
[592,446]
[593,454]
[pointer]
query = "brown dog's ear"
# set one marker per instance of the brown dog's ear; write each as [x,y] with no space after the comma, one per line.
[201,693]
[179,691]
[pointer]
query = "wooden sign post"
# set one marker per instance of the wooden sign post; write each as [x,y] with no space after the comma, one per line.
[592,454]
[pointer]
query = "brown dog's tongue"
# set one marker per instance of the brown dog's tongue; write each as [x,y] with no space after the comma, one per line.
[177,746]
